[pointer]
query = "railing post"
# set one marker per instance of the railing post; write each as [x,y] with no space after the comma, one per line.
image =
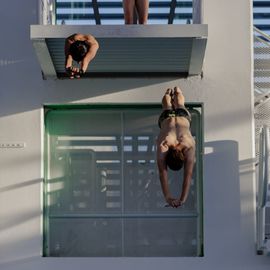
[197,11]
[47,12]
[263,176]
[260,216]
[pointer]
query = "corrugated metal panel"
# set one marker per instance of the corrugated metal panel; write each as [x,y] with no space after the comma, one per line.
[136,55]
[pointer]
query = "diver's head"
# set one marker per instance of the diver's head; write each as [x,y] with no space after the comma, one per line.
[175,158]
[78,50]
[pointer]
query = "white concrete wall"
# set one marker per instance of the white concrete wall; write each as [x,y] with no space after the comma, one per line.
[226,91]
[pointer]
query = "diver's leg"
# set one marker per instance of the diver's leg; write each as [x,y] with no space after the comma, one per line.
[128,6]
[167,100]
[142,10]
[178,98]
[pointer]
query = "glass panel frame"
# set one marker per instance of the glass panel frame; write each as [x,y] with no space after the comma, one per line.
[141,213]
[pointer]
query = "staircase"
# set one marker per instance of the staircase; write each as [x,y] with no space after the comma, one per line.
[261,81]
[261,63]
[263,194]
[262,126]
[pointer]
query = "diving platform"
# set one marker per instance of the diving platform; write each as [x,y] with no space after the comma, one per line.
[126,50]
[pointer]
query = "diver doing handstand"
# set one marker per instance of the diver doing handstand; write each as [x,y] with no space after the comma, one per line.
[175,144]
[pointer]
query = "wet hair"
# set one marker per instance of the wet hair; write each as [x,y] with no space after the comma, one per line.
[174,159]
[78,50]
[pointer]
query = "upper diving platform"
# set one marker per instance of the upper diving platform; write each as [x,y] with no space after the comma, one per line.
[126,50]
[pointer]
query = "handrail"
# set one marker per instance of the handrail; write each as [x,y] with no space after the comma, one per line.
[267,37]
[262,187]
[263,41]
[261,98]
[266,167]
[255,29]
[263,167]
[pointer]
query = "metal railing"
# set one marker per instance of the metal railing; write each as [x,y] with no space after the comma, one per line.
[260,35]
[263,180]
[93,12]
[261,65]
[47,12]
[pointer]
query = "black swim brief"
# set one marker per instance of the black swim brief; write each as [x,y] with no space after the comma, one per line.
[181,112]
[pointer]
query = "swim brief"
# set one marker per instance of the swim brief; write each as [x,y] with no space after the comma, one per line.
[181,112]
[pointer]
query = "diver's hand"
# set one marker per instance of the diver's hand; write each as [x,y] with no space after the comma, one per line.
[173,202]
[72,71]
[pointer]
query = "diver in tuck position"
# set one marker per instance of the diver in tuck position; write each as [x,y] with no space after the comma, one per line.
[175,144]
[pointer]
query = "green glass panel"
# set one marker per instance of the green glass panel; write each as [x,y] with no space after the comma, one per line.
[102,195]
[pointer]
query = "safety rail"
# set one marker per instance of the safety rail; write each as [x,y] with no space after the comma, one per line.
[261,34]
[261,14]
[261,82]
[47,12]
[101,12]
[263,244]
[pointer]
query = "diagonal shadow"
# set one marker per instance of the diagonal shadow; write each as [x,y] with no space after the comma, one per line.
[21,185]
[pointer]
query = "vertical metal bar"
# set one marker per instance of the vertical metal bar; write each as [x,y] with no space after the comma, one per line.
[46,232]
[260,177]
[197,11]
[172,11]
[53,12]
[122,183]
[40,12]
[262,187]
[201,179]
[266,167]
[261,166]
[96,11]
[198,181]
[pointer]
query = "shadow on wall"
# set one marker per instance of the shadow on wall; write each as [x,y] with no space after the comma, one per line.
[19,238]
[222,197]
[18,218]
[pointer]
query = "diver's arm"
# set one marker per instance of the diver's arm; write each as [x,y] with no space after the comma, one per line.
[68,42]
[188,170]
[93,48]
[163,173]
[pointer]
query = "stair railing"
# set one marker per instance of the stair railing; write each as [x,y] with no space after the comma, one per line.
[261,95]
[263,180]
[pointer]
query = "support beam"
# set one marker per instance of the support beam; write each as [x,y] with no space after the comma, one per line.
[197,11]
[44,58]
[197,56]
